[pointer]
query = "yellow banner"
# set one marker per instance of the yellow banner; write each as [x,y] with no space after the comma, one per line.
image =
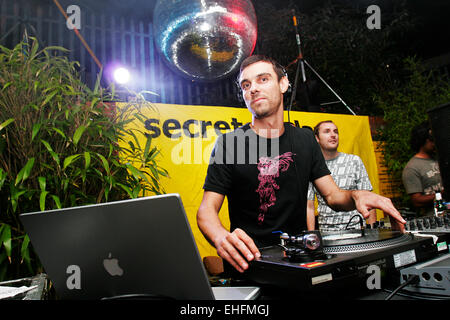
[185,135]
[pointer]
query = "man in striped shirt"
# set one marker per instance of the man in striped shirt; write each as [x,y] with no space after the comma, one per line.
[349,173]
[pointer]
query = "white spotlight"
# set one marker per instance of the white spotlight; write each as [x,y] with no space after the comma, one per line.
[121,75]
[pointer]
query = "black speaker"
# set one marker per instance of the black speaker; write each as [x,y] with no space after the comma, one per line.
[440,126]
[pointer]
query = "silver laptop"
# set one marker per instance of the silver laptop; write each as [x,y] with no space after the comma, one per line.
[140,248]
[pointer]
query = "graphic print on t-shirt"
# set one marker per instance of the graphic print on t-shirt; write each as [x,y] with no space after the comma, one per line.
[269,169]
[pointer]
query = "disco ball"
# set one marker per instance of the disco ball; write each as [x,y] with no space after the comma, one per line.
[204,39]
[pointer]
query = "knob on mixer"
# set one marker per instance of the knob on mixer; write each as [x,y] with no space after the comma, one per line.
[429,223]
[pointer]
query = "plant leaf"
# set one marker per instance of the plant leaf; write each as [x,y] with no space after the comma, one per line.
[42,183]
[5,239]
[3,176]
[42,200]
[60,132]
[24,249]
[6,85]
[69,160]
[35,130]
[24,173]
[136,172]
[147,147]
[6,123]
[49,97]
[87,159]
[78,133]
[126,188]
[28,168]
[57,201]
[53,153]
[104,162]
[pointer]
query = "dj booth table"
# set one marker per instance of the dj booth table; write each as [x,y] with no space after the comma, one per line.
[335,276]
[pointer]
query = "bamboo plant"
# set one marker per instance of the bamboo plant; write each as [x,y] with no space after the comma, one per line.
[62,145]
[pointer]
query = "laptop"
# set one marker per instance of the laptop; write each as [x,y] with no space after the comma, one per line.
[141,248]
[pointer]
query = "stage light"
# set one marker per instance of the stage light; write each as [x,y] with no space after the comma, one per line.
[121,75]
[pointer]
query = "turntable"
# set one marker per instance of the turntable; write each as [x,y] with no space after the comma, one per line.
[313,260]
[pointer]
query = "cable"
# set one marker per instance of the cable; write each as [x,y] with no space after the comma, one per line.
[411,279]
[347,224]
[419,296]
[356,215]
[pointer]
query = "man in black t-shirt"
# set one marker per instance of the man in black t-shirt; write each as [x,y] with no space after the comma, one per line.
[264,168]
[265,179]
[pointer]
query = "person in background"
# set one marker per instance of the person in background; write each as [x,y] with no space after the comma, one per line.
[349,173]
[421,176]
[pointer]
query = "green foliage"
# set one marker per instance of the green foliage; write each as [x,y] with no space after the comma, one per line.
[405,107]
[62,145]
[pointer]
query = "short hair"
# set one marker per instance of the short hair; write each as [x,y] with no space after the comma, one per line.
[419,135]
[317,127]
[278,68]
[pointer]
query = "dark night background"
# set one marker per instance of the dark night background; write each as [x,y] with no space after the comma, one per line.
[427,38]
[356,62]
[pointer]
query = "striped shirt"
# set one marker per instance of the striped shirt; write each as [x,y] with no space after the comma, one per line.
[349,173]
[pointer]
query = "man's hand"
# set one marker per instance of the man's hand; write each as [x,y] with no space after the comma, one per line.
[237,248]
[366,200]
[361,200]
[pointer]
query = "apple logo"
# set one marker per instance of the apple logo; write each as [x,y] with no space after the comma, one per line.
[112,266]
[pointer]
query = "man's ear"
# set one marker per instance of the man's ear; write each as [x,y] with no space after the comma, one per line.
[284,84]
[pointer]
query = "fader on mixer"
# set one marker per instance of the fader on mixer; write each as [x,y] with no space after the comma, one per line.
[429,223]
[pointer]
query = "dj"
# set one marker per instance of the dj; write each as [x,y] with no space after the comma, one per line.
[349,173]
[264,169]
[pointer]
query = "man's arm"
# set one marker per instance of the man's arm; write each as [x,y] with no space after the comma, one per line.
[236,247]
[413,185]
[310,217]
[419,199]
[361,200]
